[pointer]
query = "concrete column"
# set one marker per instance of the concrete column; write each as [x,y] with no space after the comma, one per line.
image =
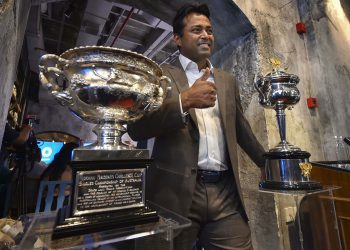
[13,21]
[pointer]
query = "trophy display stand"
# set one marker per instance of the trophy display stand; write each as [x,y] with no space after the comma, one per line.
[287,167]
[307,218]
[157,235]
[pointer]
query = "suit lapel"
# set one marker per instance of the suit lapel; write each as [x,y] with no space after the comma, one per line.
[221,93]
[180,77]
[182,84]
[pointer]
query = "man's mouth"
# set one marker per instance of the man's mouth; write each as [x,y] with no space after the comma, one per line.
[204,44]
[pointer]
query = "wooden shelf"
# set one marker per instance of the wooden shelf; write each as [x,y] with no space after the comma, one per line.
[332,176]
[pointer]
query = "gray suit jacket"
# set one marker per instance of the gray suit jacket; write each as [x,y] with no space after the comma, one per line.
[172,176]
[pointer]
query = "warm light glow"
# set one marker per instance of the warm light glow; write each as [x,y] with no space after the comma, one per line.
[339,18]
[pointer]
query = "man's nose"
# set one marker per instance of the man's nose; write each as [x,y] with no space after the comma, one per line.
[204,34]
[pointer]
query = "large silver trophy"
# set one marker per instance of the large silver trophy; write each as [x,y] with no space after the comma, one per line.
[287,167]
[109,87]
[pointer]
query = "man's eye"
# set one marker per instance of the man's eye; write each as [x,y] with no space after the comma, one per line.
[196,30]
[209,31]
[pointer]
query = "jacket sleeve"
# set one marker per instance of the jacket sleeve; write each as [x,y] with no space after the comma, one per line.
[245,137]
[162,121]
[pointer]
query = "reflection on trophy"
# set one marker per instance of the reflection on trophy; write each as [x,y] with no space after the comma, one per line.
[287,167]
[108,87]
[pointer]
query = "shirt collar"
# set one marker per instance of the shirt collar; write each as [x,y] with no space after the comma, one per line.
[188,64]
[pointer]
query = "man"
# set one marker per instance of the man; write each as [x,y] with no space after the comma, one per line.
[195,169]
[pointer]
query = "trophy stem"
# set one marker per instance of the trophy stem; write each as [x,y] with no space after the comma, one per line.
[108,145]
[283,145]
[281,120]
[109,135]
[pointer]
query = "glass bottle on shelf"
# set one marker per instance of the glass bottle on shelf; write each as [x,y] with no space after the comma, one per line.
[341,151]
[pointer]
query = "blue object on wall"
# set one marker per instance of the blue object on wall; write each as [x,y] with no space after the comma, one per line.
[49,149]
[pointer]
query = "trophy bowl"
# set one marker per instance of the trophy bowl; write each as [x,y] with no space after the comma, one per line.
[278,91]
[106,86]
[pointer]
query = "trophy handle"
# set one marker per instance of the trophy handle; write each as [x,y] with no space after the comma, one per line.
[165,84]
[163,91]
[257,84]
[50,72]
[63,97]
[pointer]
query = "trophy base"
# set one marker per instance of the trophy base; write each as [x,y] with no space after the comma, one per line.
[95,153]
[278,185]
[285,146]
[72,226]
[288,170]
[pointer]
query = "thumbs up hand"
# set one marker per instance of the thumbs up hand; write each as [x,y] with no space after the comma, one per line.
[202,94]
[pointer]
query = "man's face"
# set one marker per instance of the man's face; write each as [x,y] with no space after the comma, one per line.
[197,41]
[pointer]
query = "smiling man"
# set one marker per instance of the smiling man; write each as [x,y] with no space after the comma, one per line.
[195,169]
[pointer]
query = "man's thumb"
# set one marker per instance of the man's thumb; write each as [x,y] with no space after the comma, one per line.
[206,74]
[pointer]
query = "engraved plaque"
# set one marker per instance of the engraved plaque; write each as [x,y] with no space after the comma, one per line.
[106,194]
[108,190]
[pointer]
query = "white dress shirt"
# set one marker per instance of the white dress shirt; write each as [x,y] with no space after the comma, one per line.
[212,146]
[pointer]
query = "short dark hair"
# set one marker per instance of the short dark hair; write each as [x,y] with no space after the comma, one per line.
[185,10]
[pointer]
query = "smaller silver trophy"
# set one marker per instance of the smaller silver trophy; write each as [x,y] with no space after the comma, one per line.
[287,167]
[109,87]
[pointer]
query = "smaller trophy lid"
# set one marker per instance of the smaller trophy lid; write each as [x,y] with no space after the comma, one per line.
[287,155]
[281,76]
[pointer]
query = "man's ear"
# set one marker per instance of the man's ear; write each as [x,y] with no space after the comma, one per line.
[177,40]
